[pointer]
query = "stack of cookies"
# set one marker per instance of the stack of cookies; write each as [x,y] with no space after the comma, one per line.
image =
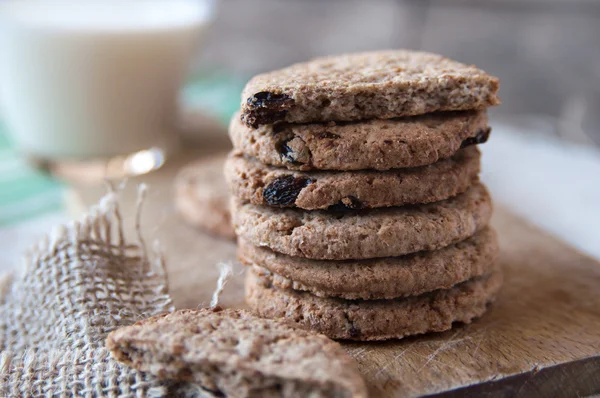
[357,202]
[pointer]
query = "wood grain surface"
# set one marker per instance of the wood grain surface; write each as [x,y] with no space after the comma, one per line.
[541,338]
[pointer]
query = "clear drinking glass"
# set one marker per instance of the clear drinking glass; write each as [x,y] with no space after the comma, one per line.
[91,86]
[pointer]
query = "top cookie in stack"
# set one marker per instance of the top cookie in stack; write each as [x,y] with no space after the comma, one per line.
[356,194]
[376,85]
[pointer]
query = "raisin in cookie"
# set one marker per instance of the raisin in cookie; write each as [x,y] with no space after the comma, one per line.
[373,85]
[361,234]
[252,181]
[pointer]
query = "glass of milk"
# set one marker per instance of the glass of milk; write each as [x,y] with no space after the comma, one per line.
[98,79]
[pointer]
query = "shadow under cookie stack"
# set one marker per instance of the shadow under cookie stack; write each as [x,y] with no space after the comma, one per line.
[357,202]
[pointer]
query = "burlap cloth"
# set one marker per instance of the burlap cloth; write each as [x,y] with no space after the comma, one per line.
[76,286]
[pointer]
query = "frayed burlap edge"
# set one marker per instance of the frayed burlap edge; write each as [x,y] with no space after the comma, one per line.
[76,286]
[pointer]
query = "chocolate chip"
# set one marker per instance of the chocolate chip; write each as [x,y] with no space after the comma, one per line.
[326,135]
[480,138]
[388,142]
[283,191]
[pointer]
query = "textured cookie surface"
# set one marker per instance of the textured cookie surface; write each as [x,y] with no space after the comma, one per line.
[360,234]
[374,85]
[382,278]
[252,181]
[202,196]
[371,144]
[374,319]
[234,353]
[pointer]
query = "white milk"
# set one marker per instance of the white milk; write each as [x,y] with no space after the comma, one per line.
[87,79]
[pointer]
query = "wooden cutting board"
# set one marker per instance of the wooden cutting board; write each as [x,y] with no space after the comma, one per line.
[540,339]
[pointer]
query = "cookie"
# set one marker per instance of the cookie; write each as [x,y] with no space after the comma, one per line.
[202,196]
[236,354]
[361,234]
[373,85]
[372,144]
[374,319]
[382,278]
[252,181]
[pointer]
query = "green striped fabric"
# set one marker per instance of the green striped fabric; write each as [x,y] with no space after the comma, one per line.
[26,192]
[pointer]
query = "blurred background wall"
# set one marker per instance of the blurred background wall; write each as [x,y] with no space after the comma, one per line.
[546,52]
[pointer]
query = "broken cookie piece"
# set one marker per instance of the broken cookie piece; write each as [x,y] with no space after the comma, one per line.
[234,353]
